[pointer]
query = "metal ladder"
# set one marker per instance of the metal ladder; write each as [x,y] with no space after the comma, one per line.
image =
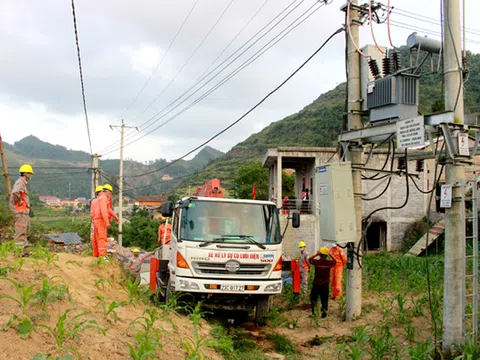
[470,261]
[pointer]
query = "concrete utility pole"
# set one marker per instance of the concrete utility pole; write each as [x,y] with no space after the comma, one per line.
[452,307]
[120,183]
[95,174]
[5,169]
[353,307]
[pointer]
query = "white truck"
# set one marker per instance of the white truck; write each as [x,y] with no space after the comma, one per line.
[224,252]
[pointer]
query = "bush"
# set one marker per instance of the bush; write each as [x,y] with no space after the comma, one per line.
[141,231]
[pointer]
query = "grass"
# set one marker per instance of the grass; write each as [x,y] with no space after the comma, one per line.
[236,346]
[282,344]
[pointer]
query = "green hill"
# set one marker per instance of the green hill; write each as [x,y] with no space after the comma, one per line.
[319,123]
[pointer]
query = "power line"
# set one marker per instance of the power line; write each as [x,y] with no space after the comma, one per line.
[246,63]
[81,75]
[161,61]
[251,109]
[203,77]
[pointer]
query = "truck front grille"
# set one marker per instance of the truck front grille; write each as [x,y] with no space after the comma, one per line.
[205,268]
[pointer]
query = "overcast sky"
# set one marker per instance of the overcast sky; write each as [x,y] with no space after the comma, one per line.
[122,43]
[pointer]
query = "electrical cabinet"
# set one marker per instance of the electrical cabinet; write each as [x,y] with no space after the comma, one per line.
[334,188]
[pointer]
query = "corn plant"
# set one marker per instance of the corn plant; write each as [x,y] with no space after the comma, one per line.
[111,308]
[194,345]
[422,351]
[24,326]
[355,350]
[4,270]
[402,316]
[136,292]
[382,343]
[7,249]
[66,330]
[100,283]
[24,292]
[176,304]
[101,261]
[51,290]
[276,317]
[147,336]
[76,262]
[50,357]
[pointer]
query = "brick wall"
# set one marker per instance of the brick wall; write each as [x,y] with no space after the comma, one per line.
[306,232]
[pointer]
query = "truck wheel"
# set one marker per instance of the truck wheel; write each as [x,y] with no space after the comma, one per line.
[262,308]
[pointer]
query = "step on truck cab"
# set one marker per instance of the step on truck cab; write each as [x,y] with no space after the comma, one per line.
[224,252]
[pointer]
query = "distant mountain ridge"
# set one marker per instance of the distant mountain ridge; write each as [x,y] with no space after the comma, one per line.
[60,171]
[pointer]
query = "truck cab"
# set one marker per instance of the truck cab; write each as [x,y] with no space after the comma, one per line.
[224,252]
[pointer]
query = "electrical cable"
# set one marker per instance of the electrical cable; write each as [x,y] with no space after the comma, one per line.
[389,8]
[350,32]
[190,57]
[161,60]
[246,63]
[226,79]
[390,146]
[371,27]
[81,76]
[251,109]
[389,180]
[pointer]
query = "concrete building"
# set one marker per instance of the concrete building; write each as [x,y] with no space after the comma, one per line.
[387,227]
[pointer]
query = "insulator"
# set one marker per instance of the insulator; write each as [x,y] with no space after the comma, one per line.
[386,66]
[397,62]
[419,165]
[402,165]
[375,71]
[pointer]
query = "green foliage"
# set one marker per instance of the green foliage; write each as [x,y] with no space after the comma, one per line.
[51,290]
[141,231]
[283,345]
[236,346]
[148,336]
[136,292]
[67,329]
[7,249]
[24,292]
[111,308]
[24,326]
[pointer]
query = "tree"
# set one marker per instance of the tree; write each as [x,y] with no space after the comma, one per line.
[254,173]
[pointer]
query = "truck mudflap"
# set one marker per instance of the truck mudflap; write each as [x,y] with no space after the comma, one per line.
[223,286]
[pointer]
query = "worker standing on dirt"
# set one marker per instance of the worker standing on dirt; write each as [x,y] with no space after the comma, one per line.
[304,267]
[111,214]
[99,212]
[20,206]
[321,280]
[93,209]
[337,254]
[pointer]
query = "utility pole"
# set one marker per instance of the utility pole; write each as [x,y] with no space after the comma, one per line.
[120,183]
[453,275]
[353,305]
[5,169]
[95,173]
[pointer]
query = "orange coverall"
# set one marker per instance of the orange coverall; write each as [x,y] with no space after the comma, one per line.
[111,213]
[338,254]
[161,233]
[99,212]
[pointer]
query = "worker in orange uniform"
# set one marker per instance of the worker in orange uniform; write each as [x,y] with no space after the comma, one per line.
[304,267]
[164,231]
[337,254]
[93,208]
[99,212]
[20,205]
[111,214]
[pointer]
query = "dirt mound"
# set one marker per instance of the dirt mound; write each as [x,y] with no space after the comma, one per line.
[90,284]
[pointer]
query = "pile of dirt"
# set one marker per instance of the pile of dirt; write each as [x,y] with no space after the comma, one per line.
[86,278]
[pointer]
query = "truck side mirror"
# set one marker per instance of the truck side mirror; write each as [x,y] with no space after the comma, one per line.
[166,209]
[295,220]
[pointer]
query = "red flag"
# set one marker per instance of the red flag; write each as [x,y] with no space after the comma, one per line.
[254,191]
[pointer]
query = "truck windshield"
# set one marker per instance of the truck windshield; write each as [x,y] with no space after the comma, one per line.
[232,222]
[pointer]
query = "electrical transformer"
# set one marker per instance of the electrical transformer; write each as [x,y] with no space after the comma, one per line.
[334,187]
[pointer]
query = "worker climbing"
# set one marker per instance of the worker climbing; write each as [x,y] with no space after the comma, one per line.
[20,206]
[304,267]
[337,254]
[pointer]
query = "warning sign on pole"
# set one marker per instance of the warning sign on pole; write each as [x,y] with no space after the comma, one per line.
[446,196]
[410,133]
[463,149]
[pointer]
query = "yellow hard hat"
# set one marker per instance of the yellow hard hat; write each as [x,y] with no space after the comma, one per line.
[136,250]
[26,168]
[302,244]
[324,251]
[99,188]
[108,187]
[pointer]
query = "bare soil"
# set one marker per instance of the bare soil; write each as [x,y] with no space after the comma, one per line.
[80,276]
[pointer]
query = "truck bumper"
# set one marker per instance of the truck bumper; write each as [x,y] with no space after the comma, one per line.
[223,286]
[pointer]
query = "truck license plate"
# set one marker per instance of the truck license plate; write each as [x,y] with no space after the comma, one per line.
[232,287]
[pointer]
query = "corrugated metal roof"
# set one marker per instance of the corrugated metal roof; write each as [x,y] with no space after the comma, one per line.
[65,238]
